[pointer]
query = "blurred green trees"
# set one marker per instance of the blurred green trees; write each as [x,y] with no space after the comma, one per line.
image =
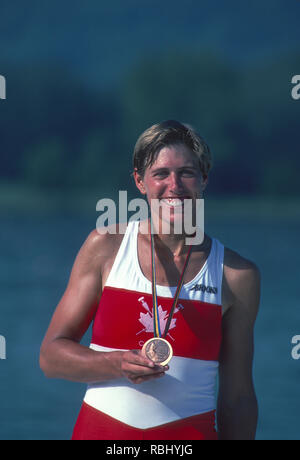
[56,132]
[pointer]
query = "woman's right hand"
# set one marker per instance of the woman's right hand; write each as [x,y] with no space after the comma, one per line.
[137,368]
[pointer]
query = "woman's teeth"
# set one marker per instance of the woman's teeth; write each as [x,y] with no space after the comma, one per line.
[172,201]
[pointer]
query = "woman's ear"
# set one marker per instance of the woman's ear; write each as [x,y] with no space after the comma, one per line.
[138,179]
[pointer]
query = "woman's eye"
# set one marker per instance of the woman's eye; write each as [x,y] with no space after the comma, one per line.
[183,173]
[161,174]
[188,173]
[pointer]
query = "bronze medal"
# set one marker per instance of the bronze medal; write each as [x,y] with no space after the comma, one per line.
[158,350]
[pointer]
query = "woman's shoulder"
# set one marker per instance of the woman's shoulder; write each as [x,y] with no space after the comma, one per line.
[106,239]
[101,246]
[240,272]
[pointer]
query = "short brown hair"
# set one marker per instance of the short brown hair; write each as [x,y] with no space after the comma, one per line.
[167,133]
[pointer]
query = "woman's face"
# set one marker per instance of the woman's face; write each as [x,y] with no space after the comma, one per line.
[173,177]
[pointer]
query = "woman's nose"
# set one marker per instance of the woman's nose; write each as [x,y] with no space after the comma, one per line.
[175,182]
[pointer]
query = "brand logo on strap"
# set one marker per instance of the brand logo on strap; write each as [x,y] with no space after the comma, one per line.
[203,288]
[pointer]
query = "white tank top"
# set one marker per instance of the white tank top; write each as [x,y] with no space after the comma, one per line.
[124,321]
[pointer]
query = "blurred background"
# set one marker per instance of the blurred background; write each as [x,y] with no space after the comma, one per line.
[83,80]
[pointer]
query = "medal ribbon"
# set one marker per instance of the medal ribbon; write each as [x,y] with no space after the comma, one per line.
[156,324]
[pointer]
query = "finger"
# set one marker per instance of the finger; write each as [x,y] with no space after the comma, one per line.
[136,357]
[139,370]
[149,362]
[145,378]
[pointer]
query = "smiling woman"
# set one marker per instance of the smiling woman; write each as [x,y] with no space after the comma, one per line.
[116,277]
[174,184]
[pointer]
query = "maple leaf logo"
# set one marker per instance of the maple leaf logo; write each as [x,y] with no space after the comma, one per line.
[147,318]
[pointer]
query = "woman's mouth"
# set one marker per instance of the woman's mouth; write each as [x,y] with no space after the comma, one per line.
[173,202]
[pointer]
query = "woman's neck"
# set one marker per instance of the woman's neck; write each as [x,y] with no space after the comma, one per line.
[175,244]
[172,243]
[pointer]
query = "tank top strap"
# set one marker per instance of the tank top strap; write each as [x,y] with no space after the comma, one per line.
[124,273]
[207,284]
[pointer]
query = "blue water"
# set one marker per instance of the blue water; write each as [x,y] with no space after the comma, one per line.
[37,253]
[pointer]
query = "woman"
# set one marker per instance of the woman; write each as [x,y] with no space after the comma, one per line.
[126,285]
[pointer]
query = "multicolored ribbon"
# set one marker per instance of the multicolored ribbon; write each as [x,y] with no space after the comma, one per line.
[156,323]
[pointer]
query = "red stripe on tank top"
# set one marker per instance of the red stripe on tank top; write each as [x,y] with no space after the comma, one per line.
[124,321]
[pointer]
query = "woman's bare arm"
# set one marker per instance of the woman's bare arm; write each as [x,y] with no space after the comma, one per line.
[62,355]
